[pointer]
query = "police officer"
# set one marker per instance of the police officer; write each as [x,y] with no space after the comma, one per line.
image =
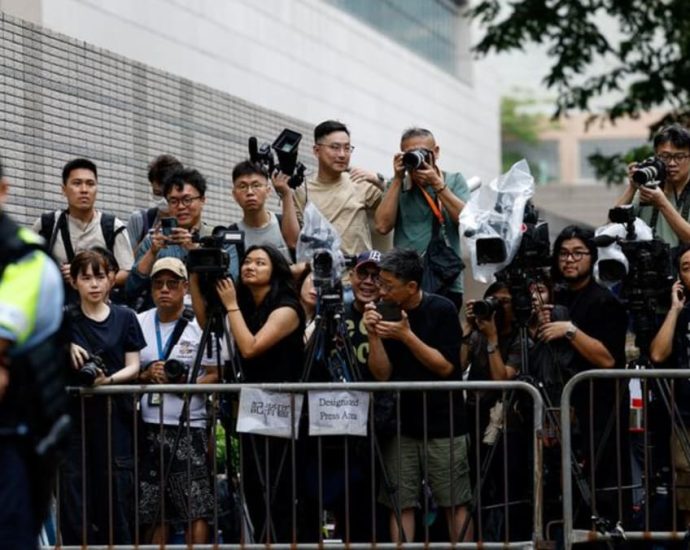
[31,420]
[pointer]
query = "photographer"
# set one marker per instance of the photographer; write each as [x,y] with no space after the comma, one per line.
[185,191]
[670,347]
[423,346]
[666,207]
[172,344]
[106,340]
[596,333]
[416,196]
[251,189]
[267,323]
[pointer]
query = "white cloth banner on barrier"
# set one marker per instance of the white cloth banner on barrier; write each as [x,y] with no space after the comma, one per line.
[338,412]
[268,413]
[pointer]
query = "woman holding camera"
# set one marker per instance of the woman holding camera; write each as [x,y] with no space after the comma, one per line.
[106,340]
[267,323]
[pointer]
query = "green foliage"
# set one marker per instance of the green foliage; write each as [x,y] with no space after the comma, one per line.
[614,169]
[648,66]
[518,125]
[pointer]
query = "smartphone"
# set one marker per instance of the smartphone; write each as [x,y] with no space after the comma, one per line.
[167,225]
[389,311]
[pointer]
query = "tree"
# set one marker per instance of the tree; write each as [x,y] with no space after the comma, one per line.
[647,63]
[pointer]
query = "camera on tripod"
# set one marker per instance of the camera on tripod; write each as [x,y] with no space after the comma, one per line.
[211,258]
[649,173]
[286,148]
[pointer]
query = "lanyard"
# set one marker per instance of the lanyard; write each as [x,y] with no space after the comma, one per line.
[162,351]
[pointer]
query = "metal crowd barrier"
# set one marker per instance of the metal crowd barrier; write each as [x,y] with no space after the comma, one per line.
[431,390]
[640,522]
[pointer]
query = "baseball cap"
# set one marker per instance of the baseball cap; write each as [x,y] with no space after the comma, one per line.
[369,257]
[174,265]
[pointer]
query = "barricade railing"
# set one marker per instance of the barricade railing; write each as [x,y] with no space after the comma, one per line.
[601,504]
[293,458]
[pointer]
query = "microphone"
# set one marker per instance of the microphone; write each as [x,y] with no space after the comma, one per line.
[253,149]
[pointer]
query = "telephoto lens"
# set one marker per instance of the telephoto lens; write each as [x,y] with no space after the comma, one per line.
[175,370]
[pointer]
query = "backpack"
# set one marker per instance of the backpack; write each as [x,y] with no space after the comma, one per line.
[148,215]
[50,228]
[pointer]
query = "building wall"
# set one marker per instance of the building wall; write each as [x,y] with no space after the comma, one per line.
[196,79]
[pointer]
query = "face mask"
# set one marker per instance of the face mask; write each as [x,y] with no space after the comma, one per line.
[161,203]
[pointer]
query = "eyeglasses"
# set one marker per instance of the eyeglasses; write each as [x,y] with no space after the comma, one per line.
[244,187]
[576,255]
[677,157]
[337,147]
[172,284]
[365,274]
[184,201]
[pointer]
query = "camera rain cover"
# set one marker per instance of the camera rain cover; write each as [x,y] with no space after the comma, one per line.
[318,235]
[612,265]
[491,221]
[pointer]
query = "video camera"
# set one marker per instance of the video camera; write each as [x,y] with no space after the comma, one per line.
[286,147]
[647,279]
[649,173]
[211,258]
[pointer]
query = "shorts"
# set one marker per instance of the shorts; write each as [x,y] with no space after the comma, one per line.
[405,473]
[188,494]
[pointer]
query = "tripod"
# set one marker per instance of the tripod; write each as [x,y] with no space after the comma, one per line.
[330,346]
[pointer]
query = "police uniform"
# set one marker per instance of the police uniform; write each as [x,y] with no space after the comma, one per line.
[31,299]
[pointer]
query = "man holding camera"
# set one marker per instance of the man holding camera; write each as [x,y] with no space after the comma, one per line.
[172,342]
[422,346]
[250,189]
[341,201]
[185,192]
[665,207]
[419,197]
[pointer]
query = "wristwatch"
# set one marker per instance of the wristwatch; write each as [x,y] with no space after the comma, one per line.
[570,331]
[491,348]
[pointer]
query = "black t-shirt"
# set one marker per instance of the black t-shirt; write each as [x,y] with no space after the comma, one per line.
[116,335]
[681,360]
[282,362]
[435,322]
[357,332]
[600,315]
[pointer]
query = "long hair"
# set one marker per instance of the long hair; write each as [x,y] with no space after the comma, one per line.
[281,284]
[573,232]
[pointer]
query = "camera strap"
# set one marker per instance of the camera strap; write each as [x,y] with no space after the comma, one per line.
[164,353]
[436,206]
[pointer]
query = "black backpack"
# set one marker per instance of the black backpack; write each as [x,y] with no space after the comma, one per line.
[50,228]
[149,217]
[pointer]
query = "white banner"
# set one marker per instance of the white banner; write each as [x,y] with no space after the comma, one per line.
[338,412]
[268,413]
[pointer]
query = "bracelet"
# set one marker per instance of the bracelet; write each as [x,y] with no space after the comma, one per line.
[233,309]
[445,186]
[111,381]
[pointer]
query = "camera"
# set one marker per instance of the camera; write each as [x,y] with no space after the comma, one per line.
[212,258]
[286,147]
[175,371]
[89,372]
[167,225]
[649,173]
[413,160]
[484,309]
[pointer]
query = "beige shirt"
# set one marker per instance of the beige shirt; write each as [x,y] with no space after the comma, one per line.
[87,235]
[344,204]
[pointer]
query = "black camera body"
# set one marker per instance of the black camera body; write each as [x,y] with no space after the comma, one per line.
[211,258]
[89,372]
[413,159]
[649,173]
[286,148]
[175,371]
[484,309]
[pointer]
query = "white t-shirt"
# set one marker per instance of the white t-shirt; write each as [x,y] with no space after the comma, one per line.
[185,351]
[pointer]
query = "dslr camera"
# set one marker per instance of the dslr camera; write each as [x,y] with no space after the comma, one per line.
[413,159]
[89,372]
[175,371]
[649,173]
[484,309]
[286,148]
